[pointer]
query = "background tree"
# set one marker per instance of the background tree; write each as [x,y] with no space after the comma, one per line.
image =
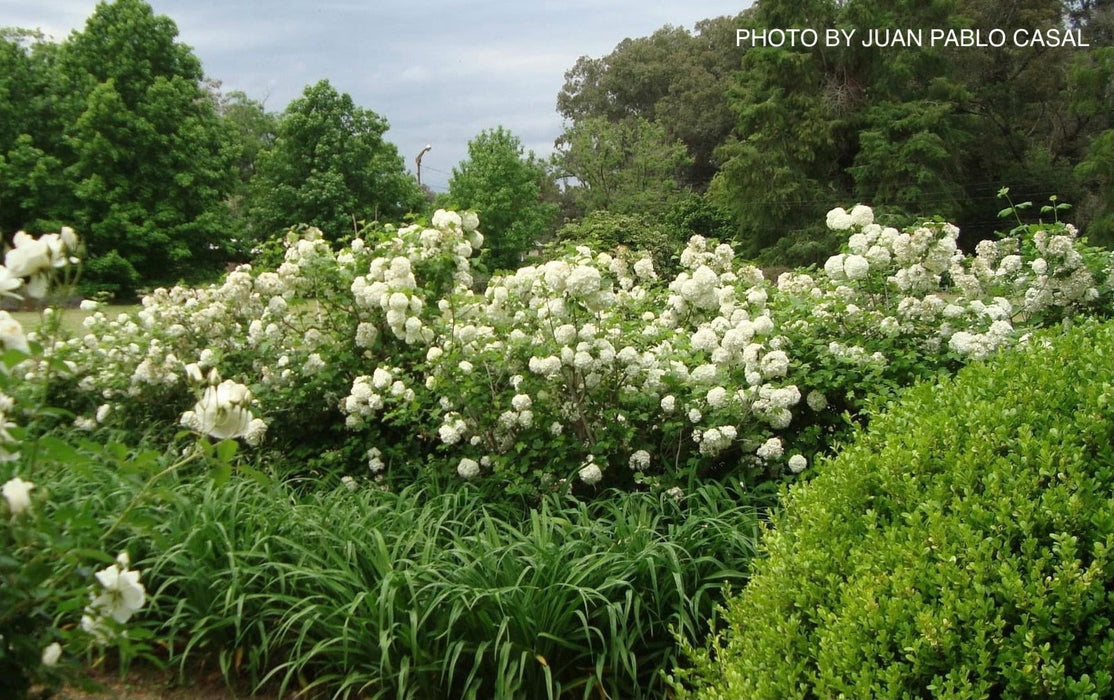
[32,189]
[252,131]
[330,167]
[144,152]
[626,166]
[673,78]
[504,184]
[924,131]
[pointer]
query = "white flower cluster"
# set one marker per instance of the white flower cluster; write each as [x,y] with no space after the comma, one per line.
[709,360]
[590,472]
[575,347]
[370,394]
[973,317]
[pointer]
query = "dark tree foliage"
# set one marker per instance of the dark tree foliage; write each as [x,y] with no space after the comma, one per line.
[111,133]
[924,131]
[674,78]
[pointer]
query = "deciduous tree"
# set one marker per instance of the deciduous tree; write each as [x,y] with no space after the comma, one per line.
[504,184]
[330,167]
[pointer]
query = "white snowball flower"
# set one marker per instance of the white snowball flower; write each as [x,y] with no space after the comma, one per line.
[797,464]
[468,468]
[644,268]
[856,267]
[771,449]
[470,221]
[17,493]
[640,460]
[839,220]
[717,397]
[590,473]
[861,215]
[447,219]
[833,267]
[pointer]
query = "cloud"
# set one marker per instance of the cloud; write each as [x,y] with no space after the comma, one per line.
[440,71]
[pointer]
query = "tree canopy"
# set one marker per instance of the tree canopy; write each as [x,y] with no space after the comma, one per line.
[778,135]
[330,167]
[504,184]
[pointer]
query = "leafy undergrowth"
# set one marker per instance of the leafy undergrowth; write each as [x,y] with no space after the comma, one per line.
[369,593]
[959,548]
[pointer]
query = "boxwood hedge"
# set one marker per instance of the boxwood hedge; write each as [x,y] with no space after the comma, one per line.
[962,546]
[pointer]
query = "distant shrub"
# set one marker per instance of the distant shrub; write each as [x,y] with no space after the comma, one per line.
[960,548]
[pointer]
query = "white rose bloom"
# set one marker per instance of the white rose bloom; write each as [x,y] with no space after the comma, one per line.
[17,493]
[11,334]
[222,411]
[123,594]
[51,654]
[29,256]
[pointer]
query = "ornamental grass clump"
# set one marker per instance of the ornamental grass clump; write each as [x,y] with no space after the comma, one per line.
[354,592]
[963,546]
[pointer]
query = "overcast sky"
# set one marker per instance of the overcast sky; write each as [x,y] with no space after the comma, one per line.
[439,71]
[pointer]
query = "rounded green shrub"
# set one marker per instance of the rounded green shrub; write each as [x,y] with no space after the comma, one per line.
[961,547]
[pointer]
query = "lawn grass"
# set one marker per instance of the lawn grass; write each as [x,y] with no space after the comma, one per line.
[71,318]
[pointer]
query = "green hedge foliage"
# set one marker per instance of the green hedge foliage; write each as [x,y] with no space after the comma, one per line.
[962,547]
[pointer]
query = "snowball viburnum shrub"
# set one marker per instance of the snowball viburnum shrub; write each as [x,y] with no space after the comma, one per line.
[584,353]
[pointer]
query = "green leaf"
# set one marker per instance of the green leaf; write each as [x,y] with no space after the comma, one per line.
[226,450]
